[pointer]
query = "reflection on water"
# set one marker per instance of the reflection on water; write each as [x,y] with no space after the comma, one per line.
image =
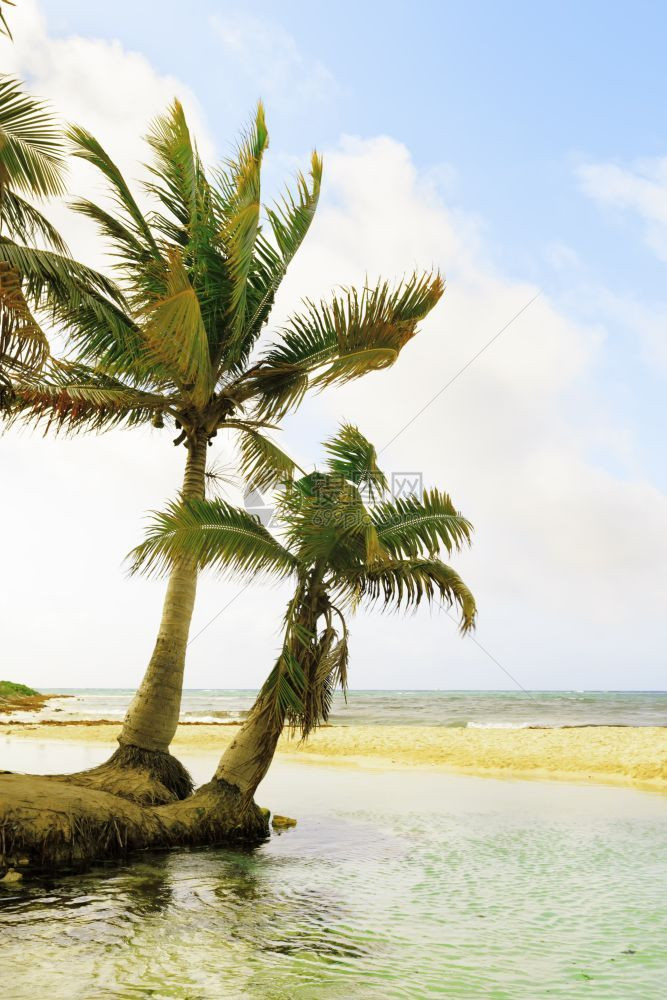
[407,886]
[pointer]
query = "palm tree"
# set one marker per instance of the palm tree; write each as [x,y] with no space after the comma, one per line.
[32,166]
[342,541]
[341,549]
[199,273]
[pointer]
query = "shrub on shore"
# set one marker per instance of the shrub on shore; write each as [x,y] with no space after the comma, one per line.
[8,689]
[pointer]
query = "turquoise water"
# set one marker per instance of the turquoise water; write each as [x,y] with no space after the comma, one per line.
[404,708]
[403,885]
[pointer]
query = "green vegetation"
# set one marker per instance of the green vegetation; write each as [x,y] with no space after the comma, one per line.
[8,689]
[344,541]
[176,347]
[175,341]
[40,285]
[340,549]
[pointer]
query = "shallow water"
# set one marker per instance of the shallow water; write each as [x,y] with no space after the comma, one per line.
[407,885]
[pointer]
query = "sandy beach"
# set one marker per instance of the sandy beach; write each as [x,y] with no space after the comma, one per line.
[600,754]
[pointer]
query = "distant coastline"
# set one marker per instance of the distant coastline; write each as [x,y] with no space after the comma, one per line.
[449,709]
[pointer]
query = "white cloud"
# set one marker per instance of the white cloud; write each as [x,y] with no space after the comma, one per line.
[642,189]
[568,558]
[99,84]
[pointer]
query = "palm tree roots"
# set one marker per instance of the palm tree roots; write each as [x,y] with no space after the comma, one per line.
[50,823]
[148,777]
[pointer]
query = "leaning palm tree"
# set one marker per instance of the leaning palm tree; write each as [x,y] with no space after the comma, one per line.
[199,272]
[343,541]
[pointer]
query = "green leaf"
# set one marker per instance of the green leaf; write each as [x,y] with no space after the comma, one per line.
[72,397]
[26,224]
[239,197]
[406,582]
[354,458]
[4,27]
[290,220]
[177,167]
[175,335]
[413,526]
[214,534]
[263,465]
[31,147]
[86,147]
[342,340]
[54,281]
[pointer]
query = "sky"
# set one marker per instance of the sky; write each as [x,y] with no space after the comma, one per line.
[522,150]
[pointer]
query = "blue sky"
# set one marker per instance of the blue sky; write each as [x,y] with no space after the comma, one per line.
[510,95]
[508,98]
[521,148]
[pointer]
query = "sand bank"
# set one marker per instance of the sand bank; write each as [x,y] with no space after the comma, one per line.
[617,755]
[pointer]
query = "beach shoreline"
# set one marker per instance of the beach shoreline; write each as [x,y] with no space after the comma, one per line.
[616,755]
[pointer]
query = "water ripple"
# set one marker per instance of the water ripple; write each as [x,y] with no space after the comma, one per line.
[361,905]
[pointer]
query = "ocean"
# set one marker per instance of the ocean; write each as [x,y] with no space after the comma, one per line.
[486,709]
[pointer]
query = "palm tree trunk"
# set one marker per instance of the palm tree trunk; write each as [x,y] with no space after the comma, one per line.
[152,718]
[248,757]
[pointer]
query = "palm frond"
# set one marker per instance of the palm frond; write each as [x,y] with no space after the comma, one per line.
[86,147]
[342,340]
[262,464]
[188,223]
[239,201]
[301,686]
[126,245]
[31,148]
[53,280]
[174,332]
[288,693]
[406,582]
[104,335]
[4,27]
[412,526]
[282,694]
[214,534]
[326,521]
[290,219]
[71,397]
[330,674]
[273,393]
[26,224]
[176,167]
[83,302]
[353,457]
[23,343]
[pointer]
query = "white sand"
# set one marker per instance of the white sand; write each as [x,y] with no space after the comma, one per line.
[617,755]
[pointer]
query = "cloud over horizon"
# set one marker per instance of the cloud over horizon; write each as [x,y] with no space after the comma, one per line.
[568,556]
